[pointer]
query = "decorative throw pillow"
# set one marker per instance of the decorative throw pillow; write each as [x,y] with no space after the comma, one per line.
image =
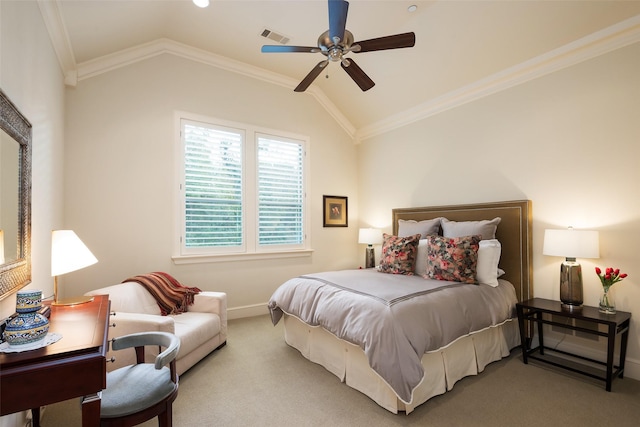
[398,254]
[488,259]
[423,228]
[485,228]
[452,258]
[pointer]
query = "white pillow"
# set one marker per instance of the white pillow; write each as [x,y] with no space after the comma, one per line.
[410,227]
[421,258]
[486,228]
[487,271]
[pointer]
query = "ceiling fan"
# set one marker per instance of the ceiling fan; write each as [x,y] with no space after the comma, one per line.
[337,42]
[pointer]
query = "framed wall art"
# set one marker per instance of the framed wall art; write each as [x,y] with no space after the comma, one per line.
[335,211]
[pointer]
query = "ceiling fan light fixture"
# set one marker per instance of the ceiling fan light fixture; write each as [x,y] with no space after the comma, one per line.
[201,3]
[412,8]
[335,54]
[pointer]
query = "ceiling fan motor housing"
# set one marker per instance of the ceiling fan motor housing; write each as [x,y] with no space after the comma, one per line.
[332,50]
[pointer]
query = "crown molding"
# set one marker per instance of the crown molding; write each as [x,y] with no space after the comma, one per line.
[74,72]
[59,39]
[134,54]
[622,34]
[606,40]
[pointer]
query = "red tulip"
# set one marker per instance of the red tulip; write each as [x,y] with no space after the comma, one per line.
[610,277]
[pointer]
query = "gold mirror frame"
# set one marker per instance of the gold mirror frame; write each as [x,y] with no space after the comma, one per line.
[16,273]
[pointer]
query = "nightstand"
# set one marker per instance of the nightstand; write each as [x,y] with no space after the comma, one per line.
[542,311]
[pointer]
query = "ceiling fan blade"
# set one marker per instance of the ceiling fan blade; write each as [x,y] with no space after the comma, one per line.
[337,18]
[389,42]
[285,49]
[315,72]
[358,76]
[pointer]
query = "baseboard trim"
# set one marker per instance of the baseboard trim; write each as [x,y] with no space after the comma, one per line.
[247,311]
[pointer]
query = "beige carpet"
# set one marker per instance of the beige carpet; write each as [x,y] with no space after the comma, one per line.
[257,380]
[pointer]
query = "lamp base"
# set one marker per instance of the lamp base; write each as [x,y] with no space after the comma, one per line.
[571,284]
[73,301]
[67,301]
[571,308]
[370,260]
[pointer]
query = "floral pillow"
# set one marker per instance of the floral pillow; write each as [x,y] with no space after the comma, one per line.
[452,258]
[398,254]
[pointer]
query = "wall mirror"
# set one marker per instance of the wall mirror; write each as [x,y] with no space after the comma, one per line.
[15,198]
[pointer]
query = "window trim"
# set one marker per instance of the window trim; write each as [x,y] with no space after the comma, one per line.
[212,258]
[252,250]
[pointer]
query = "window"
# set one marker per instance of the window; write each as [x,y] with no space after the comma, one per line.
[280,191]
[242,189]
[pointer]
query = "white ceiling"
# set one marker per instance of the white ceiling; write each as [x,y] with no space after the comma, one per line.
[463,48]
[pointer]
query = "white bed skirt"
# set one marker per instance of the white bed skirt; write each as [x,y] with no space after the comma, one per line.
[467,356]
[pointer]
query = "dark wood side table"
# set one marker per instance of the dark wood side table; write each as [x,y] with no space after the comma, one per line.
[534,310]
[75,366]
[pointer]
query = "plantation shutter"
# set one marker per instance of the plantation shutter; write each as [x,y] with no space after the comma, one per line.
[280,191]
[213,186]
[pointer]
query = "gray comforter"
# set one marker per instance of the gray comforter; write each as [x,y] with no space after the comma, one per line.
[395,319]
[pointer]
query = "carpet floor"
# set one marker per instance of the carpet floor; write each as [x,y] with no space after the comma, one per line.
[258,380]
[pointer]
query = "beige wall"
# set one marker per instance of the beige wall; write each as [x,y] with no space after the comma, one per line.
[120,154]
[570,142]
[30,75]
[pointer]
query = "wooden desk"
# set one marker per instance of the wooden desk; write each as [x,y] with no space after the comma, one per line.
[75,366]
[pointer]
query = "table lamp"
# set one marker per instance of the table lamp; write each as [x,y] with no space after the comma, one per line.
[68,254]
[370,237]
[571,244]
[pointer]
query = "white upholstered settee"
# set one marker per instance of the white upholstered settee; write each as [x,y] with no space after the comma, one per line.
[202,329]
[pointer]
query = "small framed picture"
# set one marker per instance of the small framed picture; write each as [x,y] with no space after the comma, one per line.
[335,211]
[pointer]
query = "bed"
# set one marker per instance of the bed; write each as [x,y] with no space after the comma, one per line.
[403,352]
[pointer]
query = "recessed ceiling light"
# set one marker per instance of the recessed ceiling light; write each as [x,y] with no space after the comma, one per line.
[412,8]
[201,3]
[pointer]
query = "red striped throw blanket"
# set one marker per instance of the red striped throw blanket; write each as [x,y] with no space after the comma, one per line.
[171,295]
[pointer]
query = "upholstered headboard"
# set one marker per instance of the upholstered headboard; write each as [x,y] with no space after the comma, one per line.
[514,234]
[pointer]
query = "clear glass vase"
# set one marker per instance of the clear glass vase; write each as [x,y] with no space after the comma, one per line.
[607,304]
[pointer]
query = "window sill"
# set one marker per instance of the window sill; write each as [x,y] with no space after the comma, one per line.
[208,258]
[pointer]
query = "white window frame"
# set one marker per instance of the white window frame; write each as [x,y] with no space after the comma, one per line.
[250,248]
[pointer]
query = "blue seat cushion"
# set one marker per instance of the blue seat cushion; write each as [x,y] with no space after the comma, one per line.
[134,388]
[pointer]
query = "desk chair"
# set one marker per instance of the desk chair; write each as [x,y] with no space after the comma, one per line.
[140,392]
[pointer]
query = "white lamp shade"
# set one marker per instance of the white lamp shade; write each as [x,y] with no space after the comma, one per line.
[201,3]
[370,236]
[571,243]
[68,253]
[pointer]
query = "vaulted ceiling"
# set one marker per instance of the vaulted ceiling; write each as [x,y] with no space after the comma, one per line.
[463,50]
